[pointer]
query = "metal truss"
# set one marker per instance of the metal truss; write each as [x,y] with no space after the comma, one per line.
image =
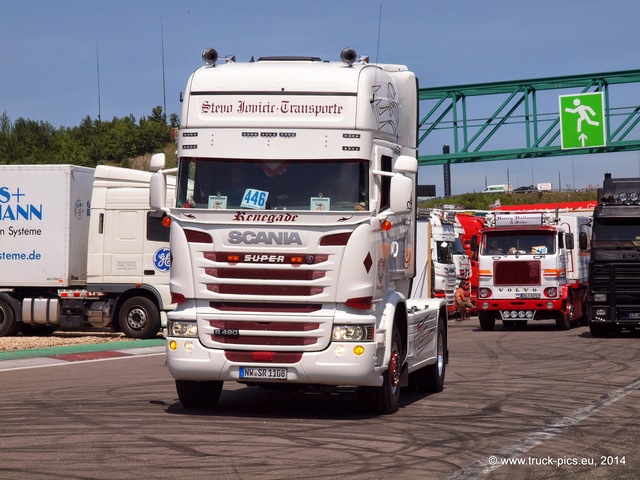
[520,119]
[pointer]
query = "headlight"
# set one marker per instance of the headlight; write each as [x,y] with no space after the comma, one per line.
[484,292]
[182,329]
[352,333]
[599,297]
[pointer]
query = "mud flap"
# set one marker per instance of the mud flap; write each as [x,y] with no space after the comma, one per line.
[404,375]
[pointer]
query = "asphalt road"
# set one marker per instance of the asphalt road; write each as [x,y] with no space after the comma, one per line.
[518,404]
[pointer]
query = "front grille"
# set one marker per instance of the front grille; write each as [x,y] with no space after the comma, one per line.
[621,280]
[271,290]
[516,272]
[265,302]
[270,307]
[265,326]
[265,274]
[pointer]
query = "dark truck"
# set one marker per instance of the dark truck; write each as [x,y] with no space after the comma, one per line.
[614,269]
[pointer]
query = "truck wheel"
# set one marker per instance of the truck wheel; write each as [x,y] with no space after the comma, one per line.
[8,324]
[599,329]
[487,320]
[564,319]
[386,398]
[198,394]
[139,318]
[431,378]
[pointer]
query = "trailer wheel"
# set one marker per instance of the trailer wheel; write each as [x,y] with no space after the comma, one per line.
[198,394]
[386,398]
[139,318]
[8,324]
[431,378]
[487,320]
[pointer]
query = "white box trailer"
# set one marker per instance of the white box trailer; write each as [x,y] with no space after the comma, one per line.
[80,246]
[44,224]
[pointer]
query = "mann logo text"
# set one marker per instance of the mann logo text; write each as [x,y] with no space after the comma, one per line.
[24,211]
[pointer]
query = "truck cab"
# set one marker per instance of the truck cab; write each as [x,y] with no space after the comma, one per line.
[614,267]
[293,232]
[530,267]
[128,251]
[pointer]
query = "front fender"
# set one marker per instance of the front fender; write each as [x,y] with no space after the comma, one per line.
[390,313]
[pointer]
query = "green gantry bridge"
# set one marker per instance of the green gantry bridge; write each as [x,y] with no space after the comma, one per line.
[520,119]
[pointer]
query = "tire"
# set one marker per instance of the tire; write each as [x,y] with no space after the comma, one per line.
[430,379]
[8,324]
[487,320]
[386,398]
[139,318]
[599,329]
[564,319]
[198,394]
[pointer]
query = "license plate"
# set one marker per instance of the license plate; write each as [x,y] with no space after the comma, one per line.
[529,295]
[263,373]
[633,315]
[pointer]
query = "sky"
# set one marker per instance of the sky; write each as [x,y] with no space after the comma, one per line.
[63,61]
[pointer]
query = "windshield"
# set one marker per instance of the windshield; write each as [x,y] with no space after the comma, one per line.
[521,243]
[621,230]
[457,248]
[332,185]
[444,252]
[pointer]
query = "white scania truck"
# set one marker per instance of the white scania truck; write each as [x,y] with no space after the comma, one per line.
[293,232]
[81,247]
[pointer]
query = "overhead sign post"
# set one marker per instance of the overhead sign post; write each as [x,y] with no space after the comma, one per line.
[582,121]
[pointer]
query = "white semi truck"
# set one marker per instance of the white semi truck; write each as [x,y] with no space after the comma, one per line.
[80,247]
[438,277]
[293,232]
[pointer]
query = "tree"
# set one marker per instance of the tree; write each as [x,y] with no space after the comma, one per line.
[91,143]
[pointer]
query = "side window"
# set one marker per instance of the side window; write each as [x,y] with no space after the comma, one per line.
[385,183]
[156,232]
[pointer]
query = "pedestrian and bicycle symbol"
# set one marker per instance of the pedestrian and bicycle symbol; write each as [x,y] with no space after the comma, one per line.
[582,120]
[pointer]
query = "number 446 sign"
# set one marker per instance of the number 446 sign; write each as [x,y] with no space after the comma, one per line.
[582,120]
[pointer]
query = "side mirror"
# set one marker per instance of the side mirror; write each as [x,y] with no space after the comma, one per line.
[583,241]
[569,241]
[157,162]
[474,248]
[158,192]
[401,193]
[406,164]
